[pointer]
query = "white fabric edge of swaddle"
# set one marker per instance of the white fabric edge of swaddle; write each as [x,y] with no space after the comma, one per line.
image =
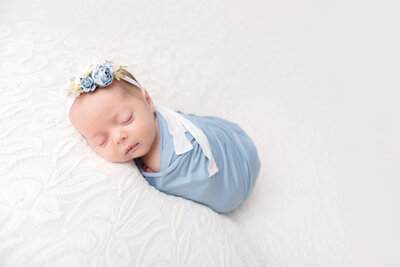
[177,126]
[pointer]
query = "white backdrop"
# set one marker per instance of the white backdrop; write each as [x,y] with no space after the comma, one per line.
[279,70]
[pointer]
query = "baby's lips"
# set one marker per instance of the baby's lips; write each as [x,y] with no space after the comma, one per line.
[129,148]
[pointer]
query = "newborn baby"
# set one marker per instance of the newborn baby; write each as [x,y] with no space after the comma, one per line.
[202,158]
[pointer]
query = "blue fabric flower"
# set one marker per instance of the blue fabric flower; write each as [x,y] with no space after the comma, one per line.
[103,75]
[88,84]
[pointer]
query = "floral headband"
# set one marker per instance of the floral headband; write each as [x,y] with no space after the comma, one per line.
[93,76]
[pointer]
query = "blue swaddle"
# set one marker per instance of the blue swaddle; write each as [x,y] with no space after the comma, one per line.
[191,175]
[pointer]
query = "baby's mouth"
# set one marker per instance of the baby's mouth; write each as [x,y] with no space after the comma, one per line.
[130,148]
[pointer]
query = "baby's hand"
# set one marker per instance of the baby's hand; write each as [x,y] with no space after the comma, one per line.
[147,168]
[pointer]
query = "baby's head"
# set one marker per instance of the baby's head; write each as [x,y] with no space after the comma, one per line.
[118,121]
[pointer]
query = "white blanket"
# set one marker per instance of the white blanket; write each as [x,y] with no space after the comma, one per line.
[62,205]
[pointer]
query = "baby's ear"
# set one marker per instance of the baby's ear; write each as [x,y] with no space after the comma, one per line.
[147,98]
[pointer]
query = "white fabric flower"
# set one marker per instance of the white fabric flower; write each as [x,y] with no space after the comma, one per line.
[86,70]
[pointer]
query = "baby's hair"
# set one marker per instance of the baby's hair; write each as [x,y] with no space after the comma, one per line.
[130,89]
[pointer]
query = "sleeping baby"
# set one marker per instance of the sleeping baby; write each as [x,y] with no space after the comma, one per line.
[202,158]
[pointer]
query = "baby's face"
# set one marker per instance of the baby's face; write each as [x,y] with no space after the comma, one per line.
[112,121]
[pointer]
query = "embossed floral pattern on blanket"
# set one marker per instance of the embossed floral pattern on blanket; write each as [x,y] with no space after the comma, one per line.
[62,205]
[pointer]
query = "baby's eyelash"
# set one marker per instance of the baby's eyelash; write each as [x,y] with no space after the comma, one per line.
[129,119]
[103,144]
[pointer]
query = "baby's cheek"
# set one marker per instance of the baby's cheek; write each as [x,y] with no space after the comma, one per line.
[112,156]
[150,131]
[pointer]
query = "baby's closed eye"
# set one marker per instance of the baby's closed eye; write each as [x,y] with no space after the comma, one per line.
[102,144]
[129,119]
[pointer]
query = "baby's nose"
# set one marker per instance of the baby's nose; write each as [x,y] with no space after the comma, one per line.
[120,139]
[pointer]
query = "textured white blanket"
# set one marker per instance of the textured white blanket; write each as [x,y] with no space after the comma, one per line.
[62,205]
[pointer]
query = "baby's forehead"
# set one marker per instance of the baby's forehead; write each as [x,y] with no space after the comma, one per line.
[97,104]
[106,99]
[92,109]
